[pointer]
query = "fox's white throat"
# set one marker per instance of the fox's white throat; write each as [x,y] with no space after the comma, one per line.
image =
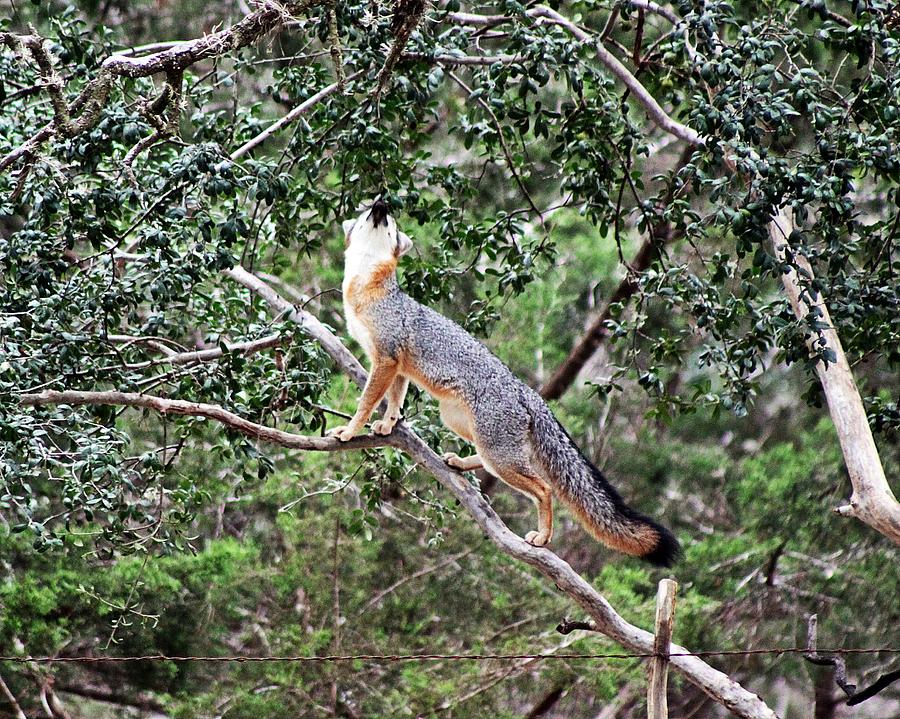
[371,240]
[369,244]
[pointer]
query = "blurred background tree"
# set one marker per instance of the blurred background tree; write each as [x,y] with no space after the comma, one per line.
[547,211]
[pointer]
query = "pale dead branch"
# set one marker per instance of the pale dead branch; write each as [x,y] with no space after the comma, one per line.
[606,58]
[196,356]
[612,63]
[605,619]
[872,500]
[301,109]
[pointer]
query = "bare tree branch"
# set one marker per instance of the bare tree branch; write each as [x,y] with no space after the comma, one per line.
[837,661]
[716,684]
[311,324]
[476,20]
[612,63]
[713,682]
[11,698]
[656,9]
[444,59]
[152,47]
[243,348]
[200,409]
[301,109]
[854,697]
[567,626]
[872,500]
[156,343]
[883,682]
[174,59]
[334,42]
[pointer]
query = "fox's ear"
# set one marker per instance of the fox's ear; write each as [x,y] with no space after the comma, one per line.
[347,225]
[404,244]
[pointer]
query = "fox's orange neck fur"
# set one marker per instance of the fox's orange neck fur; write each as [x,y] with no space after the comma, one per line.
[367,287]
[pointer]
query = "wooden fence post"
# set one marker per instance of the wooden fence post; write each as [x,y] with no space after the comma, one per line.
[657,708]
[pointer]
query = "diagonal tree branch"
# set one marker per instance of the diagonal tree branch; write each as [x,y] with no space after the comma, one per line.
[883,682]
[612,63]
[11,698]
[301,109]
[716,684]
[872,500]
[606,620]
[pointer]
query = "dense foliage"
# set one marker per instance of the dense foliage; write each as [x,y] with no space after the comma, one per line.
[528,177]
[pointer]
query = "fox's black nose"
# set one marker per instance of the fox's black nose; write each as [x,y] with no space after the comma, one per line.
[379,213]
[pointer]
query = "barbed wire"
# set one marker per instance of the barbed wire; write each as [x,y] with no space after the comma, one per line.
[389,658]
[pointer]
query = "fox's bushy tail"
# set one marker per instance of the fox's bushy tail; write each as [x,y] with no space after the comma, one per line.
[596,504]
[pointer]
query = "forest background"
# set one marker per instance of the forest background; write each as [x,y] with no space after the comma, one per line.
[600,176]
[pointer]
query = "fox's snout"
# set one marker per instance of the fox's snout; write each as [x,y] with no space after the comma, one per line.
[379,213]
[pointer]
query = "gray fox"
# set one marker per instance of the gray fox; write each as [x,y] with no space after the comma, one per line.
[515,434]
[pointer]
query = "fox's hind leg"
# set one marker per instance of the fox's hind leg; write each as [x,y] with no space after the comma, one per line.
[502,440]
[459,421]
[518,474]
[464,464]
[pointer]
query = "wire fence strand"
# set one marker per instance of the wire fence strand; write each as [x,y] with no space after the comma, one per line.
[389,658]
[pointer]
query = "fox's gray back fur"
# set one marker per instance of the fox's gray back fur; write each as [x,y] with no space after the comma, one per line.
[512,423]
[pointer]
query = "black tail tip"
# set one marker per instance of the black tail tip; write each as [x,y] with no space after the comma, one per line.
[667,550]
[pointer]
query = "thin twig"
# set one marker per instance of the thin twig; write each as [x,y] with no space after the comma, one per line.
[506,151]
[301,109]
[376,600]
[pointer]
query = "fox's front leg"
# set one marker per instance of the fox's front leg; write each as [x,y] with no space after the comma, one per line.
[395,395]
[380,378]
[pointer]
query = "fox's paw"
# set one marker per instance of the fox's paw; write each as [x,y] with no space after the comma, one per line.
[538,539]
[344,433]
[454,460]
[383,426]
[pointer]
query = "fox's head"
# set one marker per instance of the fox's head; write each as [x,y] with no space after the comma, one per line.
[375,232]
